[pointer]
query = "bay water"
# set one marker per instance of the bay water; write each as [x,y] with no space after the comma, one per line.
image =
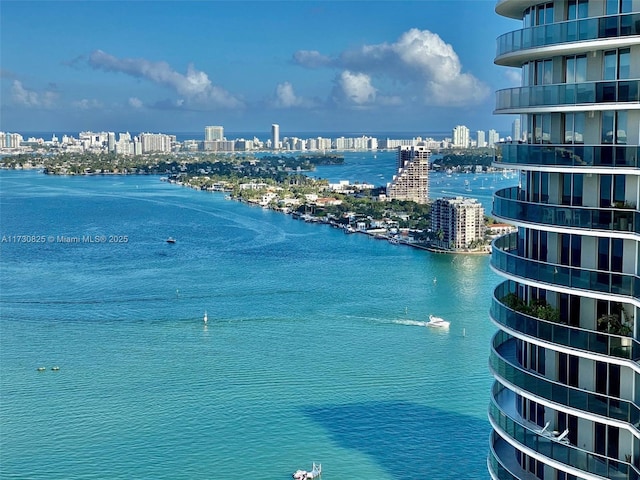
[315,347]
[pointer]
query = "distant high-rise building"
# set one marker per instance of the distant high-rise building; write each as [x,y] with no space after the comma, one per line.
[411,182]
[460,137]
[213,133]
[275,136]
[481,142]
[111,141]
[457,222]
[154,142]
[494,137]
[515,130]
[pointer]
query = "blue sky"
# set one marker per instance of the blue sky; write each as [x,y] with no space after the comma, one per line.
[331,66]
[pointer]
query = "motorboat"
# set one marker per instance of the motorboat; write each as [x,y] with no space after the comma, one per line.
[315,472]
[171,240]
[437,322]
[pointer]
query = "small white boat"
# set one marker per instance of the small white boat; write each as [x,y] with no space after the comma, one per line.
[205,319]
[315,472]
[437,322]
[171,240]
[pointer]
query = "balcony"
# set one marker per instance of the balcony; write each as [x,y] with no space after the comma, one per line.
[582,30]
[529,435]
[506,260]
[578,338]
[535,97]
[502,461]
[508,203]
[502,361]
[514,153]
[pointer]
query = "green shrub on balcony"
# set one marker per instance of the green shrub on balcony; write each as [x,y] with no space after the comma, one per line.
[536,308]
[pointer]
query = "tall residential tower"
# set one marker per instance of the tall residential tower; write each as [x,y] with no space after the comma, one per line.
[565,403]
[275,136]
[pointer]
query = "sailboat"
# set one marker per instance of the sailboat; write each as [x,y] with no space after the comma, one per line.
[205,318]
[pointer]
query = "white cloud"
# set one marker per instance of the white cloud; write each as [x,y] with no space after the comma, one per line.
[86,104]
[311,59]
[135,102]
[355,88]
[32,98]
[286,97]
[195,85]
[418,65]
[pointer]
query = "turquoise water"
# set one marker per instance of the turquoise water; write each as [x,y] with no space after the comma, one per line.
[315,349]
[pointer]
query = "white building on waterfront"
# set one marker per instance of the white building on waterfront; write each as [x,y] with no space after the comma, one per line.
[10,140]
[457,223]
[481,142]
[460,137]
[411,182]
[155,142]
[212,133]
[275,136]
[494,137]
[565,403]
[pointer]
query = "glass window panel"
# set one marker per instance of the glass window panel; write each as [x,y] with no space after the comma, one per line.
[548,17]
[572,10]
[616,255]
[611,7]
[624,61]
[619,188]
[581,69]
[568,128]
[625,6]
[566,189]
[546,128]
[577,191]
[621,127]
[607,126]
[578,127]
[564,252]
[576,250]
[605,191]
[570,70]
[548,72]
[609,65]
[537,120]
[583,8]
[603,255]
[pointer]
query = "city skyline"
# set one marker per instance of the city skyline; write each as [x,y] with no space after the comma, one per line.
[158,67]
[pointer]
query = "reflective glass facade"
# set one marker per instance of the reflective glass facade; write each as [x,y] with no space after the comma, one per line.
[565,358]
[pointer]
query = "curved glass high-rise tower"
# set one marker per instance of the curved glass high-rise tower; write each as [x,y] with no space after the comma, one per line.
[565,403]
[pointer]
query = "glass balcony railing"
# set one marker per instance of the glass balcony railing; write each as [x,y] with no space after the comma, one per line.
[496,467]
[573,397]
[561,334]
[569,32]
[559,451]
[514,153]
[614,91]
[508,203]
[505,259]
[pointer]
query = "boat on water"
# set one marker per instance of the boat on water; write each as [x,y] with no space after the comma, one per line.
[171,240]
[437,322]
[205,319]
[315,472]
